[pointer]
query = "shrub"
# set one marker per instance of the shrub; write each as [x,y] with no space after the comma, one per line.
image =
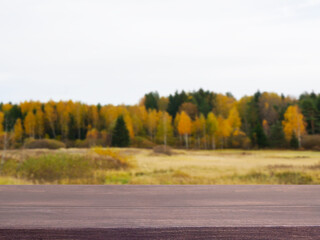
[55,167]
[81,143]
[162,149]
[311,142]
[108,158]
[43,143]
[293,178]
[9,168]
[254,177]
[141,142]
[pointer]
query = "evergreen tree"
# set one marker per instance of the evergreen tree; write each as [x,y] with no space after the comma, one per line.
[120,134]
[260,136]
[277,138]
[151,100]
[294,142]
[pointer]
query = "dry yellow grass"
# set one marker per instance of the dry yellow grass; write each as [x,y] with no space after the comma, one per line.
[205,167]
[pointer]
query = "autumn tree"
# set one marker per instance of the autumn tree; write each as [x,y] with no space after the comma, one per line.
[92,137]
[30,124]
[129,125]
[212,127]
[203,123]
[197,131]
[223,105]
[234,121]
[39,118]
[152,123]
[78,112]
[93,115]
[190,109]
[164,129]
[176,131]
[1,121]
[163,104]
[269,106]
[63,112]
[224,130]
[51,116]
[293,123]
[184,126]
[18,131]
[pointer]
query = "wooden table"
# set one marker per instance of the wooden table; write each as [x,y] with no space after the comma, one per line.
[159,212]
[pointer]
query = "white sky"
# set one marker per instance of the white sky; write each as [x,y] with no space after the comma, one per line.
[115,51]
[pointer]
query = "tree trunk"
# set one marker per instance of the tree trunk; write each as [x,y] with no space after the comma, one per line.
[186,140]
[4,145]
[213,142]
[165,132]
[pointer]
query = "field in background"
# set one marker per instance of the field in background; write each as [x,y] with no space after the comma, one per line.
[140,166]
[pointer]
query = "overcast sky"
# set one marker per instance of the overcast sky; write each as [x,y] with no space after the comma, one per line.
[115,51]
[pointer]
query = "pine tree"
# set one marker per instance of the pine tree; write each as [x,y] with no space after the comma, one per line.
[260,136]
[294,142]
[120,134]
[277,138]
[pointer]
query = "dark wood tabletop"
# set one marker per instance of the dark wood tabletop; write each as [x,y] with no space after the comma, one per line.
[159,212]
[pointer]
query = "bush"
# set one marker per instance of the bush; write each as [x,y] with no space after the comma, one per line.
[55,167]
[69,167]
[43,143]
[141,142]
[9,168]
[162,149]
[293,178]
[108,158]
[311,142]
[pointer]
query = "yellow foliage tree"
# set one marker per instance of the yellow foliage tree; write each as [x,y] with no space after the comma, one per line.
[152,122]
[30,124]
[164,129]
[94,116]
[212,127]
[6,107]
[197,130]
[224,130]
[129,125]
[1,121]
[63,112]
[92,137]
[184,126]
[51,115]
[294,123]
[18,131]
[223,105]
[39,123]
[234,121]
[203,124]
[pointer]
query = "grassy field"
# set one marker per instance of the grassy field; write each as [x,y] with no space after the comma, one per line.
[140,166]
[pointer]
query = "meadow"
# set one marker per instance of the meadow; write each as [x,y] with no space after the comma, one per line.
[144,166]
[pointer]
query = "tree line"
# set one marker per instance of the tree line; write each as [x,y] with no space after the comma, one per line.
[199,119]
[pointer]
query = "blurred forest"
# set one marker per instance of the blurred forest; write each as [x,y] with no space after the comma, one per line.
[193,120]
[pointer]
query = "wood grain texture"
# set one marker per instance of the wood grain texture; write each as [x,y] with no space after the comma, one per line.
[59,211]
